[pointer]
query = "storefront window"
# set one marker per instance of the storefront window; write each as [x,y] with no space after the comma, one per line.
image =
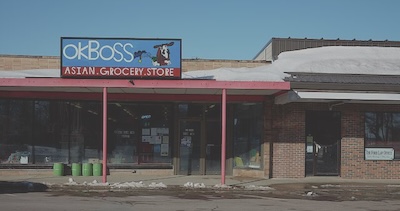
[123,123]
[382,136]
[67,132]
[156,134]
[49,144]
[190,110]
[86,132]
[139,133]
[15,132]
[248,128]
[42,132]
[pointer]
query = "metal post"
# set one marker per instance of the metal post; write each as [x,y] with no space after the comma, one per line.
[104,134]
[223,144]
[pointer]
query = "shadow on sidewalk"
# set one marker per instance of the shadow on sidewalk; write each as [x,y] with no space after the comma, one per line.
[21,187]
[243,181]
[161,178]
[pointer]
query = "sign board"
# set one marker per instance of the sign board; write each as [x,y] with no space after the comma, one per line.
[121,58]
[379,153]
[310,144]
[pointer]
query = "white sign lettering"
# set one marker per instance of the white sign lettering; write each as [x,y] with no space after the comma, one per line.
[93,50]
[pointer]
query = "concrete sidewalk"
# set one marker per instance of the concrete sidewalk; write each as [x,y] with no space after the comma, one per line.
[131,183]
[46,177]
[124,177]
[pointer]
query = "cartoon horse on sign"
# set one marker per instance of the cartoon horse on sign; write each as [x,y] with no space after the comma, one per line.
[163,56]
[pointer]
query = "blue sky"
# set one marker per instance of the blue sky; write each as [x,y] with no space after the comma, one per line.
[209,29]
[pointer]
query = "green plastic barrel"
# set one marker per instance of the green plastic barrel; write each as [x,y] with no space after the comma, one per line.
[87,169]
[58,169]
[76,169]
[97,169]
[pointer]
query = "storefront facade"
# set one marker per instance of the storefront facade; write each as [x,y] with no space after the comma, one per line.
[180,137]
[307,125]
[153,125]
[311,140]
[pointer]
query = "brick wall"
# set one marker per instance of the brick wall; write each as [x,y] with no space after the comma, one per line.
[16,62]
[353,164]
[8,62]
[202,64]
[288,142]
[288,153]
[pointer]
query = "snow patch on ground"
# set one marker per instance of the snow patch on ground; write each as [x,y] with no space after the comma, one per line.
[330,186]
[140,184]
[255,187]
[157,185]
[129,185]
[71,182]
[118,184]
[95,183]
[222,186]
[194,185]
[310,193]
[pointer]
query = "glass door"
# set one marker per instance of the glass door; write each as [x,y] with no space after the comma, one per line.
[326,157]
[323,143]
[190,147]
[213,147]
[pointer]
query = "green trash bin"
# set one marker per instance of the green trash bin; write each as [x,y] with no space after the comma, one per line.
[58,169]
[76,169]
[87,169]
[97,169]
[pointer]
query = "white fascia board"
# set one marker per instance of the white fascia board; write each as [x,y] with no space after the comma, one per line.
[350,97]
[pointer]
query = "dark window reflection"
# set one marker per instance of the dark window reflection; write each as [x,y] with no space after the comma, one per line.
[190,110]
[383,130]
[248,128]
[43,132]
[15,131]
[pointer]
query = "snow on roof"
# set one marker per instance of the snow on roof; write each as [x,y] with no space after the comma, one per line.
[341,60]
[36,73]
[332,59]
[262,73]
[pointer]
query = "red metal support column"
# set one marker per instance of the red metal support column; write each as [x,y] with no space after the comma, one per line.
[223,144]
[104,134]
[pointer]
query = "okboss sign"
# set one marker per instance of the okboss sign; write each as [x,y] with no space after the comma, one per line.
[120,58]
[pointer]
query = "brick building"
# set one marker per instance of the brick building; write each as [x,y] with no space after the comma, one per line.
[317,126]
[332,122]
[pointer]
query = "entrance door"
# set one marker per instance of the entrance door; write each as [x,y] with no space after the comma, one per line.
[190,147]
[213,147]
[323,143]
[200,147]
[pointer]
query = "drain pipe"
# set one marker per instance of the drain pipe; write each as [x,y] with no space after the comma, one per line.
[336,104]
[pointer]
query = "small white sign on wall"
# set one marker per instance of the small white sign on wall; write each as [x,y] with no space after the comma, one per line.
[379,153]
